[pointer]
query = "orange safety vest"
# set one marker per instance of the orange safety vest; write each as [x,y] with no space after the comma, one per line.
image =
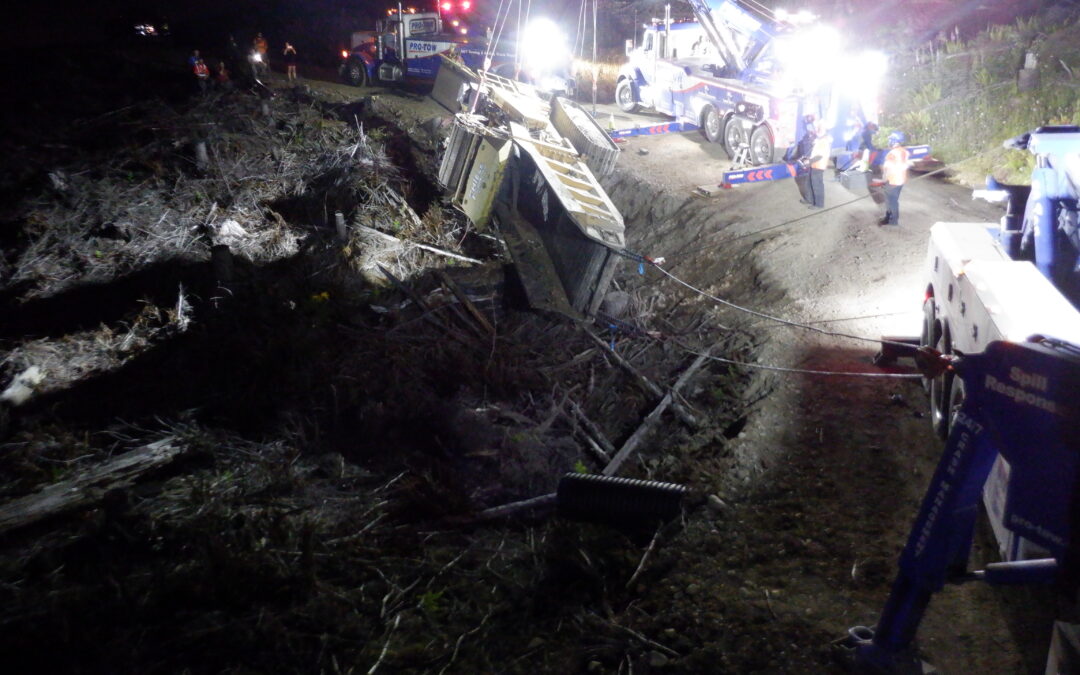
[201,71]
[895,166]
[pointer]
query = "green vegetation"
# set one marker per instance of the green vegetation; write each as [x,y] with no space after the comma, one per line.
[965,98]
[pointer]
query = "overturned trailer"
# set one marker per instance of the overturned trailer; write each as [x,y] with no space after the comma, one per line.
[522,164]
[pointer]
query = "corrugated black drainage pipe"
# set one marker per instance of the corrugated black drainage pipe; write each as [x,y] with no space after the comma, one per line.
[619,501]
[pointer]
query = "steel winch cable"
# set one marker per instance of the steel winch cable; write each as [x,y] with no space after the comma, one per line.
[657,262]
[819,212]
[659,336]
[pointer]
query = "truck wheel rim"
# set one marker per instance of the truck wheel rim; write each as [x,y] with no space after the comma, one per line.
[712,123]
[761,149]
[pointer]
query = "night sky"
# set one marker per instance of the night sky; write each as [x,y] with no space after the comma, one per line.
[314,23]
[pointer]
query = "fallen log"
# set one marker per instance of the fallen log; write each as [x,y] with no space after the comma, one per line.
[90,486]
[517,507]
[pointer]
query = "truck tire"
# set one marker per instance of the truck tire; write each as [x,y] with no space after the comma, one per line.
[761,146]
[711,124]
[625,96]
[355,73]
[941,390]
[734,136]
[931,331]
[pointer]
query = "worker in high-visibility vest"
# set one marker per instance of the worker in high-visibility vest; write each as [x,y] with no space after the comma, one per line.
[819,161]
[202,74]
[895,172]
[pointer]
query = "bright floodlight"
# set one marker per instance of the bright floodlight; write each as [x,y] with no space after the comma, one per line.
[810,57]
[466,5]
[543,46]
[861,78]
[446,6]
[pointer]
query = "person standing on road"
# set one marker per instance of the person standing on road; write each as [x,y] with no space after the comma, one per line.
[895,172]
[290,61]
[801,154]
[262,48]
[221,76]
[819,161]
[866,145]
[202,74]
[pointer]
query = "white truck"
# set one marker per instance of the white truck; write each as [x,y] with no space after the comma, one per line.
[1007,281]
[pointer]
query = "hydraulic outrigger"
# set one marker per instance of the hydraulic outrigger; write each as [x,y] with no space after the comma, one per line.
[1021,400]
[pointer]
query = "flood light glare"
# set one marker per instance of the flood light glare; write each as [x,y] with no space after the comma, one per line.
[543,45]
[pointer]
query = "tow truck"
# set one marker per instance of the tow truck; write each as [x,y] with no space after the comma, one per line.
[410,47]
[407,44]
[724,74]
[1003,395]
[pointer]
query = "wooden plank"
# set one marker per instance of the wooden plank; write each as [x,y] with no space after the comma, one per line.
[90,486]
[645,383]
[464,300]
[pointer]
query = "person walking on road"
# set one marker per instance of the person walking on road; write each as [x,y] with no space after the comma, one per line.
[819,161]
[895,172]
[801,154]
[290,61]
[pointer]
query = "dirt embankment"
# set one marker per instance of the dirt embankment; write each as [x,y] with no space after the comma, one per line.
[343,431]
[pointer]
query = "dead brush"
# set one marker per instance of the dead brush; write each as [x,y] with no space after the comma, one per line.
[80,355]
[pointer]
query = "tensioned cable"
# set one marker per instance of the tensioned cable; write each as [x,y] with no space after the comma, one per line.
[841,373]
[770,317]
[830,208]
[657,336]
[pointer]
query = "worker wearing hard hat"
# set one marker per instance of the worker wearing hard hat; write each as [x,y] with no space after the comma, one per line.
[895,172]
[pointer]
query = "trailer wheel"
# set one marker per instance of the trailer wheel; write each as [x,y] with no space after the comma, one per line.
[761,146]
[711,125]
[941,389]
[624,96]
[734,137]
[355,73]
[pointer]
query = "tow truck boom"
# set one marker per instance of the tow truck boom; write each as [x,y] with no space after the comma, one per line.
[720,34]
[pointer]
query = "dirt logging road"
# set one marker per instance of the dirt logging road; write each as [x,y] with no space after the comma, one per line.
[332,407]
